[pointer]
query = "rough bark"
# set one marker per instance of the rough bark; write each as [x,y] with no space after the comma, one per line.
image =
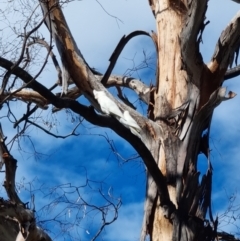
[187,91]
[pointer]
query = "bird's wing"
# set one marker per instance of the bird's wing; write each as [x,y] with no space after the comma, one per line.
[107,105]
[134,130]
[130,121]
[114,109]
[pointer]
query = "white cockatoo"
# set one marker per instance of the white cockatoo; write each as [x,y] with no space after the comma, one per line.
[108,106]
[130,123]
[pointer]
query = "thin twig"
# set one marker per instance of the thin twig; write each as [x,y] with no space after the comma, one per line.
[57,136]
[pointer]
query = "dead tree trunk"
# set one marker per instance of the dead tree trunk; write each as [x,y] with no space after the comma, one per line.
[187,91]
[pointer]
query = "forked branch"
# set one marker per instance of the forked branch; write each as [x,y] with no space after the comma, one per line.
[90,115]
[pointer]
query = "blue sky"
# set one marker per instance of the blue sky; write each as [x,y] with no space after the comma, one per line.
[99,154]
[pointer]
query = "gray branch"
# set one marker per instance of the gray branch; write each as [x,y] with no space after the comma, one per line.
[226,46]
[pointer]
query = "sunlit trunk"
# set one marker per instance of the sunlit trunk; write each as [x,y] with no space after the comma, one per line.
[178,102]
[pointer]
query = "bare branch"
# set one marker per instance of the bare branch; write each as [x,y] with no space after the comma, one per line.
[116,18]
[49,49]
[141,89]
[15,207]
[90,115]
[232,73]
[114,57]
[124,99]
[226,46]
[25,95]
[10,166]
[152,4]
[194,24]
[104,221]
[30,112]
[72,59]
[17,63]
[56,136]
